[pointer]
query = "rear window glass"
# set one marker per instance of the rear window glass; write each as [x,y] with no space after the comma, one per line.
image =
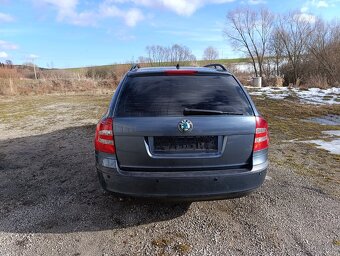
[169,95]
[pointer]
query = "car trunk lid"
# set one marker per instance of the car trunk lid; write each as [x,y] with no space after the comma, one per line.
[187,122]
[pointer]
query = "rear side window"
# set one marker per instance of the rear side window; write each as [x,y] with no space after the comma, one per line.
[169,95]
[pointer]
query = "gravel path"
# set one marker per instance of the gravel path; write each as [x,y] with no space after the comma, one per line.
[51,204]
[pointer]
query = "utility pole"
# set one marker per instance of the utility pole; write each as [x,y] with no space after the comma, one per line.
[35,72]
[32,58]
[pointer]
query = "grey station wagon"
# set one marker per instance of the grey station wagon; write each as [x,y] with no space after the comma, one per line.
[181,133]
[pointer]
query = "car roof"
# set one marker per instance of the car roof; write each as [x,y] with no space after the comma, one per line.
[155,70]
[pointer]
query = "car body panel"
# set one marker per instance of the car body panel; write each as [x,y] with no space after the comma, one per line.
[132,133]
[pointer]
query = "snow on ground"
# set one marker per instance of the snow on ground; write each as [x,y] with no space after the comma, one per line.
[277,93]
[332,133]
[330,140]
[325,120]
[319,96]
[333,145]
[311,96]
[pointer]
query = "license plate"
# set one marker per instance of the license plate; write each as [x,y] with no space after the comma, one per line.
[207,144]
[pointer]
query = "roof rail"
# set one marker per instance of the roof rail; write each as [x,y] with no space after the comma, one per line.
[217,66]
[134,66]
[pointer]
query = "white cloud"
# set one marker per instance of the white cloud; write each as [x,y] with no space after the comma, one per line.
[7,45]
[304,9]
[81,19]
[186,7]
[64,7]
[131,17]
[305,17]
[6,17]
[3,55]
[32,56]
[67,12]
[180,7]
[320,4]
[67,9]
[257,2]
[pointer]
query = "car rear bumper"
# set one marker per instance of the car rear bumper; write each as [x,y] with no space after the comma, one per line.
[188,185]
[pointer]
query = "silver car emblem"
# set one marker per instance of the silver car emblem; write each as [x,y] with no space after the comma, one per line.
[185,125]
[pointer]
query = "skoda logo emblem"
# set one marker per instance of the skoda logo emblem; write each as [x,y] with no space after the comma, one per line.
[185,125]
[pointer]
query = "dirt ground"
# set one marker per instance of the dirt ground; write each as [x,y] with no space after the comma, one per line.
[51,202]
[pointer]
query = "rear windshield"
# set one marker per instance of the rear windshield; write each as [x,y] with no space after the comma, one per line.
[169,95]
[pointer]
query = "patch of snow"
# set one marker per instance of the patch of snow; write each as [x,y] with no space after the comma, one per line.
[332,133]
[332,146]
[325,120]
[293,140]
[278,93]
[311,96]
[243,67]
[318,96]
[277,96]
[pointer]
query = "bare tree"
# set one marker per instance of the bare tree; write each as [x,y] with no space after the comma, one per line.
[142,59]
[9,63]
[157,54]
[292,34]
[180,53]
[210,53]
[275,49]
[249,31]
[324,48]
[162,55]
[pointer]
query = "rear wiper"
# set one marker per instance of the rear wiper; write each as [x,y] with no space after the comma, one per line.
[196,111]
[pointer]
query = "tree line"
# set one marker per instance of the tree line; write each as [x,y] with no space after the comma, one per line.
[6,64]
[176,53]
[157,54]
[294,46]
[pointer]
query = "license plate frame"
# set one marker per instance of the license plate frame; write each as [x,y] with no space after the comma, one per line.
[185,144]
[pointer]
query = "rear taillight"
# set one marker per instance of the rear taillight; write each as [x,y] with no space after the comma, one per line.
[261,134]
[103,141]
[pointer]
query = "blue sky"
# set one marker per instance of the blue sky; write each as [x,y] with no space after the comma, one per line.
[74,33]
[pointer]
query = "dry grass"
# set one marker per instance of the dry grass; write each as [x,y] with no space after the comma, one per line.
[274,81]
[8,73]
[43,86]
[316,80]
[287,131]
[21,81]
